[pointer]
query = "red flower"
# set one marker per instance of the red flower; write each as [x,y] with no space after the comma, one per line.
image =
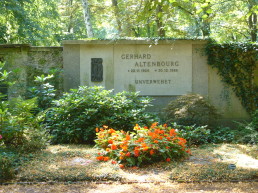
[110,141]
[152,152]
[128,154]
[121,166]
[113,147]
[113,162]
[100,158]
[168,159]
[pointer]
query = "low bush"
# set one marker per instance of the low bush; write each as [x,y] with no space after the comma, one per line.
[43,91]
[222,135]
[19,128]
[248,132]
[6,167]
[75,116]
[191,109]
[143,146]
[195,135]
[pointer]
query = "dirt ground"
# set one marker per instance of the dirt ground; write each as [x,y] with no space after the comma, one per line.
[114,187]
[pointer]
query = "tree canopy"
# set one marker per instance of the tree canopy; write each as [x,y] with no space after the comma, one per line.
[48,22]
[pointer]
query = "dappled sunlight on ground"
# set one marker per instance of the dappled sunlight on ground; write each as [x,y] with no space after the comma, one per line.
[231,155]
[134,188]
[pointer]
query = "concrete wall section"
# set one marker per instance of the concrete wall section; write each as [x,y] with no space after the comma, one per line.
[71,55]
[105,52]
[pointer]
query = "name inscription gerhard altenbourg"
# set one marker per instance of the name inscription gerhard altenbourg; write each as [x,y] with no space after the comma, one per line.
[161,71]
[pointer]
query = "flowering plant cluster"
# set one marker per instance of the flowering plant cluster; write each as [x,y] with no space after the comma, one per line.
[144,145]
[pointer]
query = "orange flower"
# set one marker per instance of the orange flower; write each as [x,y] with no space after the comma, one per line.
[105,159]
[97,130]
[136,127]
[127,137]
[113,147]
[100,158]
[107,149]
[167,147]
[121,157]
[105,126]
[113,162]
[128,154]
[172,132]
[141,139]
[165,125]
[121,166]
[152,152]
[154,124]
[189,151]
[168,159]
[136,153]
[156,141]
[111,131]
[110,141]
[124,147]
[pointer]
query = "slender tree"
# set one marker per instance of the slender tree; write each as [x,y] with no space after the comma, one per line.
[87,18]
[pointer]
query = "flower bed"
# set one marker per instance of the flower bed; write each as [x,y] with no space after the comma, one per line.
[143,146]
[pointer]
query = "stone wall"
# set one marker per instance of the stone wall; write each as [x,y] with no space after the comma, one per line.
[26,62]
[162,70]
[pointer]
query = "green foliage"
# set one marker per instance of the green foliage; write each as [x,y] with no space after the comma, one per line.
[74,117]
[6,166]
[191,109]
[195,135]
[141,147]
[43,91]
[222,135]
[248,132]
[236,63]
[29,21]
[18,125]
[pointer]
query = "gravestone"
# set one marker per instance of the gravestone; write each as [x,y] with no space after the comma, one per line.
[163,69]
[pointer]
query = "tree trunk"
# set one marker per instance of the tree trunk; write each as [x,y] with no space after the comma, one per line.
[87,20]
[161,30]
[252,20]
[116,11]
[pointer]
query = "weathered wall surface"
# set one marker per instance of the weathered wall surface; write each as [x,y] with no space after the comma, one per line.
[185,70]
[132,65]
[26,62]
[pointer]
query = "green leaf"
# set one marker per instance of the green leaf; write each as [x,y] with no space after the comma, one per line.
[199,11]
[205,16]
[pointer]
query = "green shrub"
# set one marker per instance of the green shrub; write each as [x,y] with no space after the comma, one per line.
[191,109]
[43,91]
[6,167]
[195,135]
[248,132]
[19,127]
[222,135]
[75,116]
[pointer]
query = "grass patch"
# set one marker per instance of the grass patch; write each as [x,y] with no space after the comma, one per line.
[72,163]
